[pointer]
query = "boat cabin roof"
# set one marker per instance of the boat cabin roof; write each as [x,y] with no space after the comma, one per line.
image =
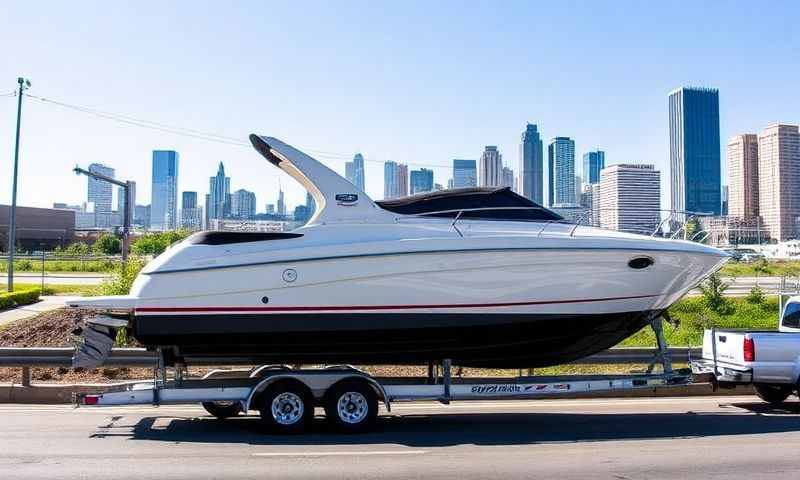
[481,202]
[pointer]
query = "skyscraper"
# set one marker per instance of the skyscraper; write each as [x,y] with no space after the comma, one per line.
[191,215]
[464,173]
[354,171]
[561,158]
[743,176]
[395,179]
[490,171]
[508,178]
[630,198]
[219,193]
[100,195]
[531,165]
[358,167]
[243,204]
[402,180]
[421,181]
[550,191]
[281,203]
[779,180]
[121,203]
[390,173]
[695,178]
[164,206]
[593,162]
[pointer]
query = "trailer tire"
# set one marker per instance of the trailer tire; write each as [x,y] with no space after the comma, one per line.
[351,406]
[287,407]
[773,394]
[223,409]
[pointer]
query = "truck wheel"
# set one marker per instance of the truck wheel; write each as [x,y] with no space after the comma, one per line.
[223,409]
[773,394]
[351,406]
[287,407]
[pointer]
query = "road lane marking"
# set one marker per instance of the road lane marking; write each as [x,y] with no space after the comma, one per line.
[340,454]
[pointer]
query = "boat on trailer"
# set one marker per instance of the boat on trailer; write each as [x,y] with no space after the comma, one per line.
[481,276]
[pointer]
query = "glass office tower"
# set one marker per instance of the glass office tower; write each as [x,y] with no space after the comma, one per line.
[164,206]
[694,150]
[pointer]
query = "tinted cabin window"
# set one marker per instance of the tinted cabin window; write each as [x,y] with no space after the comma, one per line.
[791,315]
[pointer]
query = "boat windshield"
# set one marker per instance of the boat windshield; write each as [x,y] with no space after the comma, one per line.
[483,203]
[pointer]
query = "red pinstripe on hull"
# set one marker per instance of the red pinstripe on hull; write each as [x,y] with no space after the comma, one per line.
[373,307]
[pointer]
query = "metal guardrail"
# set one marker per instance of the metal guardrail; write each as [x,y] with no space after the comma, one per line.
[28,357]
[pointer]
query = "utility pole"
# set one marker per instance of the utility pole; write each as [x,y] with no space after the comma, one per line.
[24,84]
[126,222]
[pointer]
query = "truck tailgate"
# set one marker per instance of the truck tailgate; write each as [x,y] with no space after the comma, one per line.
[729,346]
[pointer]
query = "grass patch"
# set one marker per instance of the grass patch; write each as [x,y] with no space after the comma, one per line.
[763,268]
[694,315]
[56,265]
[57,289]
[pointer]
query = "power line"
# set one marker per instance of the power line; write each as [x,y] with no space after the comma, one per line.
[198,134]
[144,123]
[10,94]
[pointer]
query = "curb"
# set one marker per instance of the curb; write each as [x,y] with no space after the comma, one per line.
[63,394]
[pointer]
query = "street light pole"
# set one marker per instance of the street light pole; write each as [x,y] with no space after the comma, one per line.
[12,217]
[126,222]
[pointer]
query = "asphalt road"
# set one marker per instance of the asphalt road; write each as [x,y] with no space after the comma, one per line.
[726,437]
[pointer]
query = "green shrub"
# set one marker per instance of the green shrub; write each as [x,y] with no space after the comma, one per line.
[756,296]
[24,265]
[155,243]
[77,249]
[107,244]
[18,298]
[713,289]
[122,278]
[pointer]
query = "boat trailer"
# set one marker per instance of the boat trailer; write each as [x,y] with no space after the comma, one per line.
[286,397]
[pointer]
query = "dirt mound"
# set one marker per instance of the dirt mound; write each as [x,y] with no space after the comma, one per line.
[49,329]
[54,329]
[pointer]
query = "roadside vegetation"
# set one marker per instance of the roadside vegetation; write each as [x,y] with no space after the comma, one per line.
[18,298]
[691,315]
[101,257]
[155,243]
[762,268]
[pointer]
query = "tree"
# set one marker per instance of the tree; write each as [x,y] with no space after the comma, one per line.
[713,289]
[107,244]
[77,249]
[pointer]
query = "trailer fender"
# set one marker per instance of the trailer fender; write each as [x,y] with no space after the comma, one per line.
[266,382]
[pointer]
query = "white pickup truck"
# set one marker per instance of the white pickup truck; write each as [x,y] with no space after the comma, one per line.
[767,359]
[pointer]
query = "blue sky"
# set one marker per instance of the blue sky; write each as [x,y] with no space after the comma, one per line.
[415,82]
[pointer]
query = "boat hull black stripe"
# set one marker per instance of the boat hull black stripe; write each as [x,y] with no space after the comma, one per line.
[481,340]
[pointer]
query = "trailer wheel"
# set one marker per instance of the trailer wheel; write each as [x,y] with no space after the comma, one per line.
[773,394]
[287,407]
[223,409]
[351,406]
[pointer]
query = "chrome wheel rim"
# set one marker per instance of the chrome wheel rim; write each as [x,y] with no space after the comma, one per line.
[287,408]
[352,407]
